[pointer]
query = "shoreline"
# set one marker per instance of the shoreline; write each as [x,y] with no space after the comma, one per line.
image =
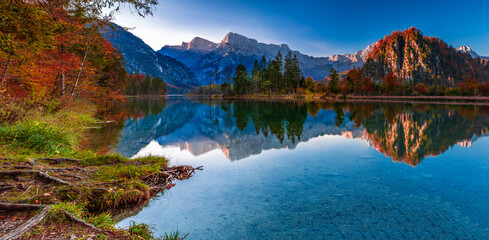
[454,100]
[53,189]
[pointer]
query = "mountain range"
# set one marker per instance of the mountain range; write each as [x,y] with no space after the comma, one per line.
[200,61]
[204,57]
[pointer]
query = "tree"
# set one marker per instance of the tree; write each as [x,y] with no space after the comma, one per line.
[391,84]
[333,83]
[241,82]
[255,76]
[468,87]
[53,49]
[310,84]
[288,71]
[296,73]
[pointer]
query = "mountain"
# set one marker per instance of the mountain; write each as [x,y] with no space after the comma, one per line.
[416,58]
[468,50]
[141,58]
[204,57]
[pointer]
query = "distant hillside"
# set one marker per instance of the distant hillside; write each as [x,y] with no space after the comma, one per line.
[141,58]
[204,57]
[417,58]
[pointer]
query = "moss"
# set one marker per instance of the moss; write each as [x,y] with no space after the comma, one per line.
[119,197]
[104,160]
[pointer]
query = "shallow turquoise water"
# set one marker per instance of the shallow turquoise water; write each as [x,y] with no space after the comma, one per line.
[316,171]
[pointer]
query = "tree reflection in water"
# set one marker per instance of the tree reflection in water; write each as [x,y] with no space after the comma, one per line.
[405,132]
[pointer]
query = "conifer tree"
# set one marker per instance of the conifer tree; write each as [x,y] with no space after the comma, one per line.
[241,83]
[333,83]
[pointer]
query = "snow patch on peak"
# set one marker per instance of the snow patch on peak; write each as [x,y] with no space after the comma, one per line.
[468,50]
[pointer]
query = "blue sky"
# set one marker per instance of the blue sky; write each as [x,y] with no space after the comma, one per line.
[314,27]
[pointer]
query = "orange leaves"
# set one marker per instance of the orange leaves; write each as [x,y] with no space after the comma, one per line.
[391,84]
[53,51]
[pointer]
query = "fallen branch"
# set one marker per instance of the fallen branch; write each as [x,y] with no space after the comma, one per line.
[19,207]
[77,220]
[27,226]
[53,179]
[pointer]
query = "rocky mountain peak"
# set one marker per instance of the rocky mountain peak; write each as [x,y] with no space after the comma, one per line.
[468,50]
[201,45]
[464,48]
[235,40]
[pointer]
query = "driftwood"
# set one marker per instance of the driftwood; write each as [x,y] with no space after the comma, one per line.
[28,225]
[53,179]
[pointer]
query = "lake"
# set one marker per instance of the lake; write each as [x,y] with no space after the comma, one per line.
[290,170]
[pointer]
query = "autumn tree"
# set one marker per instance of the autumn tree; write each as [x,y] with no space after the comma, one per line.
[54,49]
[391,84]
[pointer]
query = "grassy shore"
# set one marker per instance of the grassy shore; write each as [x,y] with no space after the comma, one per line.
[57,191]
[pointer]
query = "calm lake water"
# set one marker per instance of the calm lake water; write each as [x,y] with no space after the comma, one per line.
[284,170]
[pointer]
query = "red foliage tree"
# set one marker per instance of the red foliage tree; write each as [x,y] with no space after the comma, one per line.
[391,84]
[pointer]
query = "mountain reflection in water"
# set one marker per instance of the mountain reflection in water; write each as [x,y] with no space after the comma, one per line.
[404,132]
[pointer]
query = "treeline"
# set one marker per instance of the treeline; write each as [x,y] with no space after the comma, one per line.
[138,84]
[54,50]
[358,82]
[277,76]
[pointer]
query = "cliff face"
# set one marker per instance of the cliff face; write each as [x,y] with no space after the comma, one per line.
[416,58]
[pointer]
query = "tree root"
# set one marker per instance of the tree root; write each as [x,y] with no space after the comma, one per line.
[53,179]
[6,187]
[17,172]
[19,207]
[27,226]
[80,221]
[59,160]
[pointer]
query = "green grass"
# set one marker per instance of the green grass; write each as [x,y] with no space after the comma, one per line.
[38,136]
[41,131]
[175,235]
[57,132]
[145,231]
